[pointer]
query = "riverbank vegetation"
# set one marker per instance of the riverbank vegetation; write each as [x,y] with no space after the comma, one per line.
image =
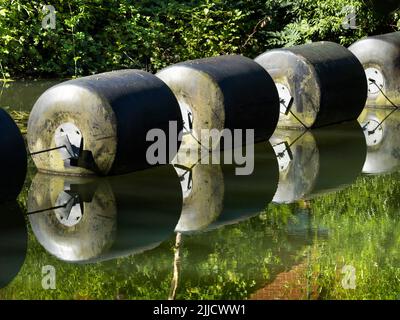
[102,35]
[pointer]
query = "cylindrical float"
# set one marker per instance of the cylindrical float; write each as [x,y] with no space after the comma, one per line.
[99,124]
[215,196]
[225,92]
[319,84]
[88,220]
[13,242]
[382,131]
[318,162]
[380,57]
[13,158]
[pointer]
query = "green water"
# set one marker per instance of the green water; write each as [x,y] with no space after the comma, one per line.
[21,95]
[332,207]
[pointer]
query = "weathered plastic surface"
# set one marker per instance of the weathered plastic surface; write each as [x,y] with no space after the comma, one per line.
[326,82]
[225,92]
[113,111]
[382,53]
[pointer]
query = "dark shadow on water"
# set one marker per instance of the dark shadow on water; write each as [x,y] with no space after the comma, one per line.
[13,242]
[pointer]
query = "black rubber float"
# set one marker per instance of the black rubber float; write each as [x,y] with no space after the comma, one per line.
[225,92]
[13,242]
[13,158]
[98,124]
[319,84]
[380,57]
[86,220]
[319,161]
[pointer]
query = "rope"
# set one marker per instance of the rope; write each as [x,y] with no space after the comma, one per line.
[54,208]
[373,81]
[47,150]
[44,210]
[289,110]
[383,93]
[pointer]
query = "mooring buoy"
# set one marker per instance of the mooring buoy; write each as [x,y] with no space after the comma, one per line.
[225,92]
[99,124]
[319,84]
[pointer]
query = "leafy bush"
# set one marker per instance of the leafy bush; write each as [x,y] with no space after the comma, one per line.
[92,36]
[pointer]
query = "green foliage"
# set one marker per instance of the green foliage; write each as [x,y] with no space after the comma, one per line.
[101,35]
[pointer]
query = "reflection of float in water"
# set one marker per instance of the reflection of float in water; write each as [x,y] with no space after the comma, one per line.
[382,130]
[318,161]
[214,195]
[13,242]
[94,219]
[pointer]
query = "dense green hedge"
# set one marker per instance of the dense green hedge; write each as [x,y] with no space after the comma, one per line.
[98,35]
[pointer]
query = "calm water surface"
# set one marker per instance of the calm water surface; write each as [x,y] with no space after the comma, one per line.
[318,219]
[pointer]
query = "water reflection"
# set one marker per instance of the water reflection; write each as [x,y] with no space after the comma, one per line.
[13,242]
[318,161]
[95,219]
[214,195]
[382,131]
[21,95]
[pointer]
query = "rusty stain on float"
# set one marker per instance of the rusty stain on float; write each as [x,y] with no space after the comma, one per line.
[225,92]
[98,124]
[319,84]
[13,158]
[91,219]
[380,57]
